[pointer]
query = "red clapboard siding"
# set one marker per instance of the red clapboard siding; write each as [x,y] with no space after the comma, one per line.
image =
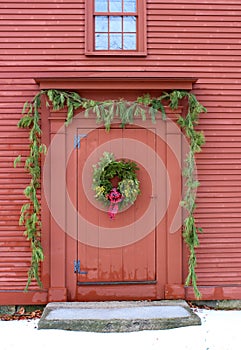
[219,209]
[185,38]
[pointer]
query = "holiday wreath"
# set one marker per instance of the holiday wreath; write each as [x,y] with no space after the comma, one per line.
[128,188]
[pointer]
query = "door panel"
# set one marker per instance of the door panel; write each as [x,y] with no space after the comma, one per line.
[113,251]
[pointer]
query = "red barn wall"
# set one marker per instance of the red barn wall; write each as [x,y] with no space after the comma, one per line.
[185,39]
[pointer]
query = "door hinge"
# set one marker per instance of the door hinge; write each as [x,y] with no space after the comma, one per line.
[77,268]
[77,140]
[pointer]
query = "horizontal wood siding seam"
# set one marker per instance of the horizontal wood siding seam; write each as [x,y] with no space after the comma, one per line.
[45,38]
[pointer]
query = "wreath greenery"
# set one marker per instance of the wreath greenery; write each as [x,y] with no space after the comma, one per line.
[109,168]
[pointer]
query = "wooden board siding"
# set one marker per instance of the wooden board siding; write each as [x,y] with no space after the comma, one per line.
[45,39]
[14,249]
[219,208]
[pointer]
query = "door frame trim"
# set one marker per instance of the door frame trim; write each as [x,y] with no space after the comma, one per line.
[56,276]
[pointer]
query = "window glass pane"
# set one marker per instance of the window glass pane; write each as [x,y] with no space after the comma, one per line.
[115,42]
[101,24]
[115,5]
[101,41]
[129,42]
[129,5]
[115,24]
[101,5]
[129,24]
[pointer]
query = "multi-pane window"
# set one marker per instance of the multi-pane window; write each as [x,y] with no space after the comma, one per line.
[115,26]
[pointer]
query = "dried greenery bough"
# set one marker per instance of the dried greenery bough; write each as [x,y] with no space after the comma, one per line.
[105,112]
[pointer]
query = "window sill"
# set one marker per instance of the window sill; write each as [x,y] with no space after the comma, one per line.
[117,53]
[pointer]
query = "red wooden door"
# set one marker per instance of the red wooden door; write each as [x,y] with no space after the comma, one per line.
[138,255]
[116,258]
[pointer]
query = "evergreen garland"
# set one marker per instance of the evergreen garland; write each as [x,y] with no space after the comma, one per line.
[30,212]
[105,113]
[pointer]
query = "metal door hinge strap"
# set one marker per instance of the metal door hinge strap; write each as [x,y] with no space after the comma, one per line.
[111,283]
[77,140]
[77,268]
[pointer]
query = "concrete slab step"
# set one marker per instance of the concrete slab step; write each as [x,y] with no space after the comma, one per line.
[118,316]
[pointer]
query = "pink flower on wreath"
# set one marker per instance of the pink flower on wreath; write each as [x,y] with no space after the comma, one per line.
[114,197]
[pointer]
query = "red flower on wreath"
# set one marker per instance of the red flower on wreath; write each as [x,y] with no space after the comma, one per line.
[114,197]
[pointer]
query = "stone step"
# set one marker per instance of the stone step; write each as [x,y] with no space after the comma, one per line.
[118,316]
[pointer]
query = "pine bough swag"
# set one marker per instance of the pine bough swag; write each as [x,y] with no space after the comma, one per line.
[105,112]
